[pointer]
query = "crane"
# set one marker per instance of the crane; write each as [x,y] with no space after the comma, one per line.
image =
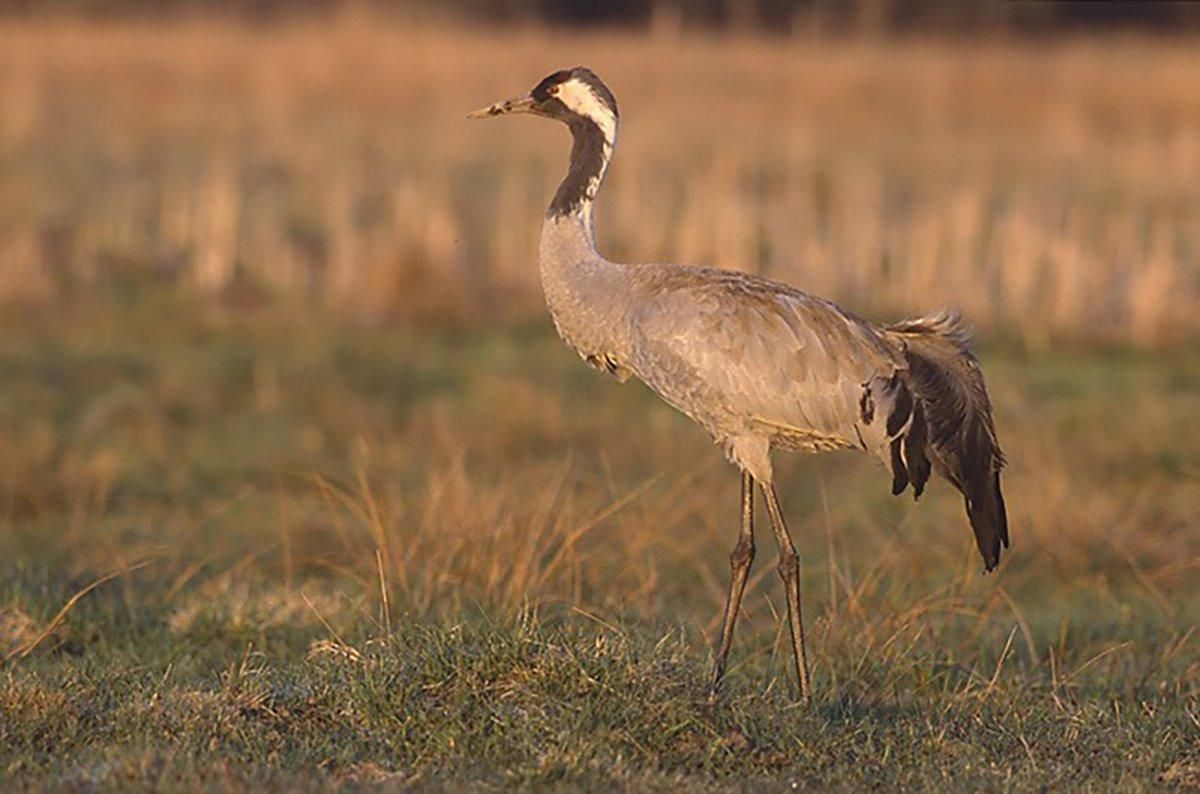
[759,364]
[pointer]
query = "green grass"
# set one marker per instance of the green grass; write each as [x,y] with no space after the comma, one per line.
[553,550]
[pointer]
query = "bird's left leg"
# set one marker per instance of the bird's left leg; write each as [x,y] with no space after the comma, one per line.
[789,571]
[739,568]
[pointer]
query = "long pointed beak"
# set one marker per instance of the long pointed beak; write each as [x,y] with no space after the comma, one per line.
[518,104]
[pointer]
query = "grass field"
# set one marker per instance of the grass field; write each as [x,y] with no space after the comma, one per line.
[298,489]
[348,553]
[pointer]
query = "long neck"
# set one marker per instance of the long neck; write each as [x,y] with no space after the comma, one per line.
[590,152]
[583,289]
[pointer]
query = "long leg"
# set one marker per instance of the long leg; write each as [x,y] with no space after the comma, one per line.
[789,571]
[739,564]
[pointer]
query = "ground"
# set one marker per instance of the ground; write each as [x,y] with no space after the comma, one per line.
[355,554]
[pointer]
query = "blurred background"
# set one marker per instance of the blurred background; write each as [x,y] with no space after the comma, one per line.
[271,329]
[1034,164]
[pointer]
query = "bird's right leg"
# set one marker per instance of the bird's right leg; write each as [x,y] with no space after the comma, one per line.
[789,571]
[739,564]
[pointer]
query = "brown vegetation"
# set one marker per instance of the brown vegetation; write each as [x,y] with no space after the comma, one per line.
[467,558]
[247,544]
[1050,188]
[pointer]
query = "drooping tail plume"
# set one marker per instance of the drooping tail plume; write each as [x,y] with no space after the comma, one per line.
[959,436]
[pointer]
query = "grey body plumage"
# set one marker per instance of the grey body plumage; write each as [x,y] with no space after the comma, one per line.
[757,363]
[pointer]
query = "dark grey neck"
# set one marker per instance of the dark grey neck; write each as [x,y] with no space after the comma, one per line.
[589,158]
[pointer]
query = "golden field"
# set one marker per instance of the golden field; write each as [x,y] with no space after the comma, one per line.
[299,491]
[1048,189]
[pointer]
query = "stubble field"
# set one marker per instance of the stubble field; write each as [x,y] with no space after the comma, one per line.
[298,489]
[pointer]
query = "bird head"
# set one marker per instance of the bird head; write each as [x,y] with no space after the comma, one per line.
[573,96]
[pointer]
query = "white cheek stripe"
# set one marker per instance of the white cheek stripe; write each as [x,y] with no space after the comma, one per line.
[579,97]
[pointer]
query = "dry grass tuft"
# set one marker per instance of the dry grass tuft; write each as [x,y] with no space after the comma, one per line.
[17,630]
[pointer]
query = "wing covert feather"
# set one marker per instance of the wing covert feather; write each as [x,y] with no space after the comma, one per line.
[733,351]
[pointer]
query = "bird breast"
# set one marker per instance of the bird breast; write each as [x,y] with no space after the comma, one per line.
[588,297]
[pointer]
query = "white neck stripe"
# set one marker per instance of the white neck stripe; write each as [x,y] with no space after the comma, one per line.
[579,97]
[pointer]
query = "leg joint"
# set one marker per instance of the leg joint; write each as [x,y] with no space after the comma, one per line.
[789,564]
[742,554]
